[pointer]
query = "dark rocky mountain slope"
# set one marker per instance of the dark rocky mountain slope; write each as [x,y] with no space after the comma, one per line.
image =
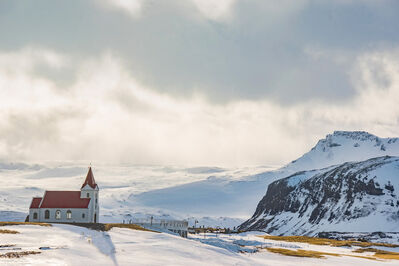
[352,196]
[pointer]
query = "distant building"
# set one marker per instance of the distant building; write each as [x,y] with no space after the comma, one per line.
[68,206]
[176,226]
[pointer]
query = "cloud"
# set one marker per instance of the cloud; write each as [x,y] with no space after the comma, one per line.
[107,115]
[215,10]
[131,7]
[228,50]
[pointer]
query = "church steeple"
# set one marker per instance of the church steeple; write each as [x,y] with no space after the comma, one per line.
[90,190]
[90,180]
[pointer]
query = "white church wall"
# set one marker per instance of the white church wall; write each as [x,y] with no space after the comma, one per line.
[96,203]
[31,215]
[77,215]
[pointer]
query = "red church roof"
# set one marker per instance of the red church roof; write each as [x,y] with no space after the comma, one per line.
[35,203]
[90,180]
[64,199]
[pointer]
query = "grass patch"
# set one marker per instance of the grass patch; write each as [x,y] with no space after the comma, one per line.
[301,253]
[11,255]
[381,254]
[23,223]
[7,246]
[327,242]
[108,227]
[5,231]
[311,253]
[387,256]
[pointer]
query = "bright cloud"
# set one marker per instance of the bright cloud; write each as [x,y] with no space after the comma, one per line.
[213,10]
[131,7]
[106,115]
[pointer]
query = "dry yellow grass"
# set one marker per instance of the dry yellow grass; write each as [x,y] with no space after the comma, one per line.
[23,223]
[108,227]
[378,253]
[381,254]
[387,256]
[11,255]
[326,241]
[7,245]
[301,253]
[311,253]
[6,231]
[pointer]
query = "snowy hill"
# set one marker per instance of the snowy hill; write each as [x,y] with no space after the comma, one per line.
[350,197]
[345,146]
[213,196]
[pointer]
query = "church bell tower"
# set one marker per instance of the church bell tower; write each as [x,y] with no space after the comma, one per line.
[90,190]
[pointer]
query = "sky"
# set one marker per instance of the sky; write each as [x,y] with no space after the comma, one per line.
[193,82]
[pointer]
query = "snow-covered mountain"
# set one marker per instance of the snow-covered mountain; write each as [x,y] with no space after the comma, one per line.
[211,195]
[353,196]
[237,197]
[345,146]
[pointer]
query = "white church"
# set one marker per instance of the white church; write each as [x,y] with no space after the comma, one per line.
[68,206]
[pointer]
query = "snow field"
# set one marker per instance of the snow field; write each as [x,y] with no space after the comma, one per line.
[72,245]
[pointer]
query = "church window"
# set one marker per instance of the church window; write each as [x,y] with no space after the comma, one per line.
[69,214]
[58,214]
[83,215]
[88,195]
[35,215]
[47,214]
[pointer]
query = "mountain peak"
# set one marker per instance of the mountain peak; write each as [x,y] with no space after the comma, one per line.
[356,135]
[344,146]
